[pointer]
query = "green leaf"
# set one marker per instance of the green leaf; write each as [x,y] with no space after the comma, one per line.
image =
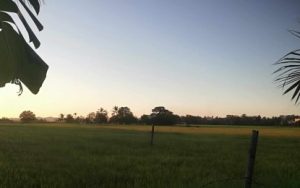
[291,87]
[19,61]
[33,70]
[36,5]
[296,91]
[32,36]
[286,67]
[295,33]
[34,19]
[4,17]
[8,66]
[8,6]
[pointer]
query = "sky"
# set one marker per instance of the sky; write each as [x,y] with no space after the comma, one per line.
[198,57]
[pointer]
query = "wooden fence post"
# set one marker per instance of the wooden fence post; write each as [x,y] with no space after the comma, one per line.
[152,134]
[251,159]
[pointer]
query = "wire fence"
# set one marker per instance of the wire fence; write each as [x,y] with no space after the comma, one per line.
[249,180]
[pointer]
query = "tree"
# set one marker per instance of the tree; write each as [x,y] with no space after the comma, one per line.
[80,119]
[146,119]
[27,116]
[6,120]
[192,120]
[90,117]
[69,118]
[288,74]
[101,116]
[161,116]
[123,116]
[61,117]
[115,110]
[19,63]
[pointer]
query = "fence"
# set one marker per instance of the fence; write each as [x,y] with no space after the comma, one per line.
[248,179]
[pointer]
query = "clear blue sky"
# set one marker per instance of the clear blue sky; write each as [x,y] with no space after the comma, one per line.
[200,57]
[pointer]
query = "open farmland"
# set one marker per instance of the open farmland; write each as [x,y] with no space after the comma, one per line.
[120,156]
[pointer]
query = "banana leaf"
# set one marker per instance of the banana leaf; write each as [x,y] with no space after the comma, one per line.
[19,63]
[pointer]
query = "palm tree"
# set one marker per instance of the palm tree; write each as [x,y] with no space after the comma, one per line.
[102,111]
[115,110]
[61,117]
[19,63]
[288,74]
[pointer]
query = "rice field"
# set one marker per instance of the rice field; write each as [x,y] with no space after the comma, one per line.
[53,155]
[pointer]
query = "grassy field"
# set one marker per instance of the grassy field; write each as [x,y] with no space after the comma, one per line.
[120,156]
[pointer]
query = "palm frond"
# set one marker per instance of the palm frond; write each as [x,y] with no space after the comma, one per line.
[295,33]
[288,74]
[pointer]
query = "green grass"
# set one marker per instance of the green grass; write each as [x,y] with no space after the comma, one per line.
[86,156]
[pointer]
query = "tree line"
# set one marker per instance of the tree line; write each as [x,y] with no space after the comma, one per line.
[159,116]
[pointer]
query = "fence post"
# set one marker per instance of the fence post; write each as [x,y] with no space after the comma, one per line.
[152,134]
[251,159]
